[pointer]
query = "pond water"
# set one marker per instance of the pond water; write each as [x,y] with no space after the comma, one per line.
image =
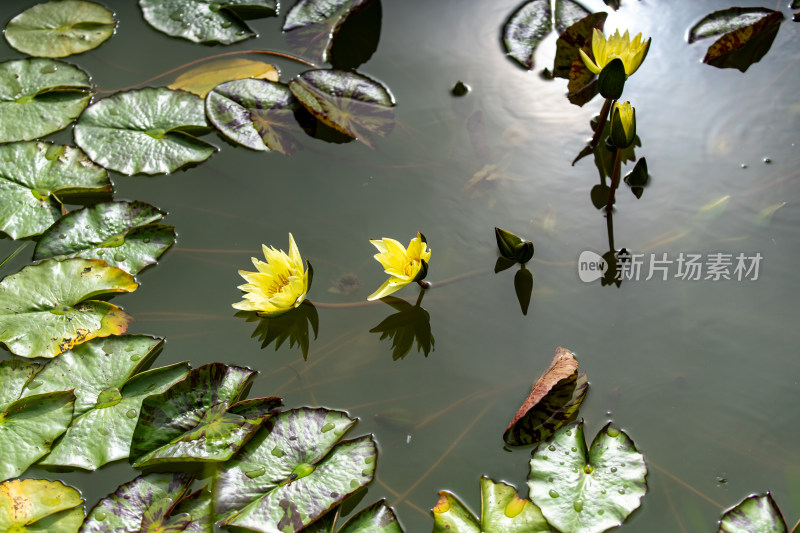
[703,375]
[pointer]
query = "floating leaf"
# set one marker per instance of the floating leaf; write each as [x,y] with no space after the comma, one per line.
[204,21]
[59,29]
[351,103]
[258,114]
[39,505]
[39,96]
[756,513]
[568,13]
[584,491]
[46,309]
[748,35]
[199,418]
[200,80]
[120,233]
[312,25]
[502,511]
[35,177]
[553,400]
[293,471]
[28,425]
[410,323]
[377,518]
[575,37]
[158,502]
[144,131]
[292,326]
[526,28]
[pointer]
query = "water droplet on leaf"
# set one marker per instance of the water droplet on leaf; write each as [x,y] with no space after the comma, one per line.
[130,413]
[553,493]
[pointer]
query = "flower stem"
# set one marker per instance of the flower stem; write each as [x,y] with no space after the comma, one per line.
[601,122]
[614,180]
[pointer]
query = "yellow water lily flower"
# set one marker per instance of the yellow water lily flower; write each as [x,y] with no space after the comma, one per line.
[623,125]
[404,265]
[280,284]
[632,53]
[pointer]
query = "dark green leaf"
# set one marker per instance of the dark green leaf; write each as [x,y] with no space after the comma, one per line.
[525,29]
[575,37]
[258,114]
[144,131]
[205,21]
[46,309]
[523,287]
[349,102]
[35,176]
[600,195]
[39,506]
[754,514]
[59,29]
[568,12]
[39,96]
[727,20]
[120,233]
[611,80]
[506,242]
[744,45]
[503,263]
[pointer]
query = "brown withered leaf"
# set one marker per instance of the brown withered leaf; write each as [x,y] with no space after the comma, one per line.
[200,80]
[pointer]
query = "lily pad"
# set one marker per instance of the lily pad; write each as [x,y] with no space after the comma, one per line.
[59,29]
[35,177]
[377,518]
[39,505]
[120,233]
[146,131]
[293,471]
[575,37]
[351,103]
[199,418]
[200,80]
[312,25]
[587,491]
[258,114]
[28,425]
[755,513]
[502,511]
[158,502]
[568,12]
[204,21]
[46,309]
[553,400]
[39,96]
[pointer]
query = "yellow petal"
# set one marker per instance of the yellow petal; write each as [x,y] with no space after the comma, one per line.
[389,286]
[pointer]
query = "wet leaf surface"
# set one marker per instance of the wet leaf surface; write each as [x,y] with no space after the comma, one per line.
[46,309]
[39,506]
[34,176]
[755,513]
[568,12]
[120,233]
[200,80]
[60,29]
[39,96]
[526,29]
[377,518]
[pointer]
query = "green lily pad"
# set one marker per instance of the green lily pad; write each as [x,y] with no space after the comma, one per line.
[258,114]
[28,424]
[59,29]
[293,471]
[377,518]
[145,131]
[204,21]
[120,233]
[199,418]
[726,20]
[46,309]
[584,491]
[756,513]
[39,506]
[39,96]
[158,502]
[568,12]
[35,177]
[312,25]
[348,102]
[109,389]
[502,511]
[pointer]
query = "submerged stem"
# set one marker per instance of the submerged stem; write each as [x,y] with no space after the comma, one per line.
[614,180]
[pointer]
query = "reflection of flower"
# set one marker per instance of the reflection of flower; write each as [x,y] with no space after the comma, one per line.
[631,53]
[279,285]
[403,265]
[410,323]
[290,326]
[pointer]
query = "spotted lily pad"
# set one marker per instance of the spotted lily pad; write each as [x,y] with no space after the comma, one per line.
[39,505]
[351,103]
[110,387]
[312,25]
[293,471]
[35,177]
[756,513]
[377,518]
[158,502]
[120,233]
[204,21]
[146,131]
[200,418]
[576,37]
[39,96]
[46,309]
[587,491]
[502,511]
[59,29]
[258,114]
[28,424]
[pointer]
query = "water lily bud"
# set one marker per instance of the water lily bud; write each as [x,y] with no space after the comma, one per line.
[623,125]
[524,252]
[612,78]
[507,243]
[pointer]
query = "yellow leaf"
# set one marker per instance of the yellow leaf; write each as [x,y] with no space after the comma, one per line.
[200,80]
